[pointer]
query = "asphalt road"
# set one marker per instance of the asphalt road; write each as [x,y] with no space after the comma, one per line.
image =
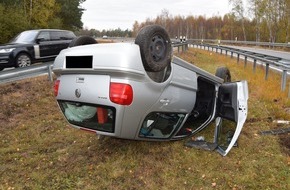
[10,68]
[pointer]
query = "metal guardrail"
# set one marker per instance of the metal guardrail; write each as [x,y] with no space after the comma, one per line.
[252,43]
[269,61]
[26,72]
[181,46]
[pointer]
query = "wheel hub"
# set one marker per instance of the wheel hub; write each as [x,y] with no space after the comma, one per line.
[157,48]
[23,61]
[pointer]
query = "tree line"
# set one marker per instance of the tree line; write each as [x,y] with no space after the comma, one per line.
[19,15]
[260,20]
[111,33]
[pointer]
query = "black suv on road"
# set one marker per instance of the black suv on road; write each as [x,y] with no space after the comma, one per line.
[33,46]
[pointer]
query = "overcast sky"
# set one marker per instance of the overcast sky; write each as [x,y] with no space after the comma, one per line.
[113,14]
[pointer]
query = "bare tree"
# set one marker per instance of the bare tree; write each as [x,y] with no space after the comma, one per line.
[257,8]
[239,11]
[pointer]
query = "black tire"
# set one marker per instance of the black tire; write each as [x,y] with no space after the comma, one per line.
[224,73]
[82,40]
[22,60]
[1,68]
[155,48]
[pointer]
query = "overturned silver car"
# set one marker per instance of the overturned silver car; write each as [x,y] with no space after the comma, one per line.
[140,91]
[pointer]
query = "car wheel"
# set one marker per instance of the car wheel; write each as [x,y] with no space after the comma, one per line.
[82,40]
[23,60]
[1,69]
[155,48]
[224,73]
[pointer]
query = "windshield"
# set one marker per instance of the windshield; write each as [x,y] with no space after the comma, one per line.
[25,37]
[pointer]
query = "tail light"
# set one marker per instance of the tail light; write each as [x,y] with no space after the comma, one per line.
[56,87]
[121,93]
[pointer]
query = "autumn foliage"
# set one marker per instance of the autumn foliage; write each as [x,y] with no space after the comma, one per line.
[258,20]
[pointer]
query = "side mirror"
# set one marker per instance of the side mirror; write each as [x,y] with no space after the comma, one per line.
[38,40]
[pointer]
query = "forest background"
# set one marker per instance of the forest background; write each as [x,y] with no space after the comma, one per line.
[260,20]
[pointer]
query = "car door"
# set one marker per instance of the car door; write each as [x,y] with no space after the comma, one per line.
[45,45]
[58,41]
[166,116]
[231,111]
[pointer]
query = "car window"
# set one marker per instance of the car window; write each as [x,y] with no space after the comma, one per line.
[44,36]
[101,118]
[56,35]
[161,125]
[25,37]
[68,35]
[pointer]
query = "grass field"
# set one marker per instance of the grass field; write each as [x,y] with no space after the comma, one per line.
[38,149]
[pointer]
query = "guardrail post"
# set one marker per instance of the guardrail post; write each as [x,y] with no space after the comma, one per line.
[216,49]
[221,51]
[50,77]
[238,57]
[267,71]
[254,65]
[232,54]
[245,65]
[289,91]
[226,52]
[284,80]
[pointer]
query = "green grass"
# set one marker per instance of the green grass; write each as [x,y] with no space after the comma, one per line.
[39,150]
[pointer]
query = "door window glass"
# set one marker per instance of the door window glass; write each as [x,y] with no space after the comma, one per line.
[225,133]
[55,35]
[68,36]
[44,36]
[161,125]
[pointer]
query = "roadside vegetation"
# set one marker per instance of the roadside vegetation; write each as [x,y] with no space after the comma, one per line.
[18,15]
[256,20]
[39,150]
[248,20]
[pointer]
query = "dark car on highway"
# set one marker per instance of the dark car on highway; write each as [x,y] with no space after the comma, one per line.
[34,46]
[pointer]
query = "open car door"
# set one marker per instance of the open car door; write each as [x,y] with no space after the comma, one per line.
[231,106]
